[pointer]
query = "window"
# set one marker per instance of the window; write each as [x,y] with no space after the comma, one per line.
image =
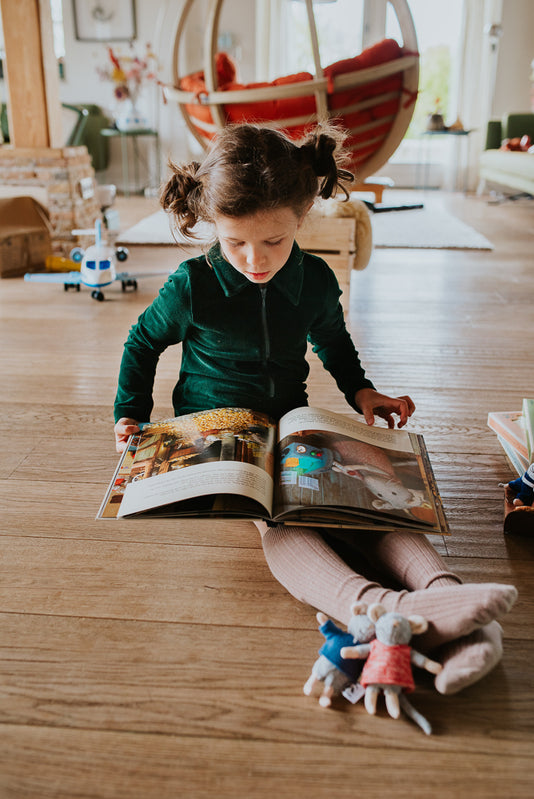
[438,27]
[339,28]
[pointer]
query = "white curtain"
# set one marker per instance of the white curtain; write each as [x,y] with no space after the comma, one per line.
[269,32]
[476,75]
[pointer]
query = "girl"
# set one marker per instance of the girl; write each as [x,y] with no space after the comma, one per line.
[244,314]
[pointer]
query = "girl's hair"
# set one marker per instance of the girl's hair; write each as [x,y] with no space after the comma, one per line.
[250,168]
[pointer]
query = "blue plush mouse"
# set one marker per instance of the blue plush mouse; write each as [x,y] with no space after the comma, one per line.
[523,488]
[331,668]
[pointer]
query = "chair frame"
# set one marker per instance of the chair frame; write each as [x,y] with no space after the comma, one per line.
[407,65]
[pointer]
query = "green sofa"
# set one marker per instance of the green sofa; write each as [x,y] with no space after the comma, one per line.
[88,122]
[510,169]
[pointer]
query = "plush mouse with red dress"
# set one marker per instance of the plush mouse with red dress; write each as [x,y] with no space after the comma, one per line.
[388,665]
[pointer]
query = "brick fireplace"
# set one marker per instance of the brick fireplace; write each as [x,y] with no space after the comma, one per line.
[67,176]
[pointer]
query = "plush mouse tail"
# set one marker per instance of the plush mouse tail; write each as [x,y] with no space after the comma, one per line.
[414,714]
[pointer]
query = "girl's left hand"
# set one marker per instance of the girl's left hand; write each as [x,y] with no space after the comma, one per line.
[373,403]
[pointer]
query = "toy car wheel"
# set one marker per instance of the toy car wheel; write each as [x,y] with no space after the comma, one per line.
[97,295]
[121,253]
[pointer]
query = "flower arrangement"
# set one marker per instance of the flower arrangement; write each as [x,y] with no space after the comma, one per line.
[129,73]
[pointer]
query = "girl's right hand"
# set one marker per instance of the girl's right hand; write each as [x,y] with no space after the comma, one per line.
[123,430]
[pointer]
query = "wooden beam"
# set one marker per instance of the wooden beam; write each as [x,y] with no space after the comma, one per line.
[34,109]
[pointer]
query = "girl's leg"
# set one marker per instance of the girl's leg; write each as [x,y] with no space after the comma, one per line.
[311,571]
[409,558]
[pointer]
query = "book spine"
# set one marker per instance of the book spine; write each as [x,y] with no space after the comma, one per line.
[528,420]
[508,425]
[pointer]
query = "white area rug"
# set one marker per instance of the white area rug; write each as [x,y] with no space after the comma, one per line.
[156,229]
[431,227]
[428,228]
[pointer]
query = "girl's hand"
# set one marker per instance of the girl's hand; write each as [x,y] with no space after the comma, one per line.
[371,402]
[123,430]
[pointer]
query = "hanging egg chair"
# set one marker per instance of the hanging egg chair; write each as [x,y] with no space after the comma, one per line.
[371,95]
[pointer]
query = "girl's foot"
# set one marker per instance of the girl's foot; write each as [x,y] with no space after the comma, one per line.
[452,611]
[468,659]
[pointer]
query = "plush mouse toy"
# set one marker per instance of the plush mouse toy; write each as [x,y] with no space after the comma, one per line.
[331,668]
[388,662]
[523,488]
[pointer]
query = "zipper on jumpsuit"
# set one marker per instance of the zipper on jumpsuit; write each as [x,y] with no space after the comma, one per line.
[266,341]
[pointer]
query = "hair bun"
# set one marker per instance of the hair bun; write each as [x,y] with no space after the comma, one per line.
[181,195]
[324,147]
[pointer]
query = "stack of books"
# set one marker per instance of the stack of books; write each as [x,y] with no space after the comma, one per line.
[515,431]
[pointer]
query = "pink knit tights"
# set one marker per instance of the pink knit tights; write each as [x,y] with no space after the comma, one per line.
[310,570]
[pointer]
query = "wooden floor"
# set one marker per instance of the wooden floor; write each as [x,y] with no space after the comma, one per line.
[155,660]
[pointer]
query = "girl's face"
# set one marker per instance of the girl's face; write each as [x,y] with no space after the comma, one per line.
[258,245]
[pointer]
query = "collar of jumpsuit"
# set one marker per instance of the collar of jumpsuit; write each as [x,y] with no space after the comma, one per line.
[288,281]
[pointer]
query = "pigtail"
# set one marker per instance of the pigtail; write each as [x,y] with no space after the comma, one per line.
[181,196]
[323,151]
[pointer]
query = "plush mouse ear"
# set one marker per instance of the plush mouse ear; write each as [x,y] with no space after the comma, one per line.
[375,610]
[358,608]
[418,624]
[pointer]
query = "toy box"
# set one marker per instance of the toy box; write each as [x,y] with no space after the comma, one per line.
[24,236]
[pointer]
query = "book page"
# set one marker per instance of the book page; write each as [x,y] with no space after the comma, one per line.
[222,451]
[201,480]
[331,465]
[307,418]
[115,493]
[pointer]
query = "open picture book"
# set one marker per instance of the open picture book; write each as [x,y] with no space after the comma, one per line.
[314,467]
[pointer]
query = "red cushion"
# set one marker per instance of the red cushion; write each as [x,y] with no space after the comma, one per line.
[264,111]
[225,72]
[271,109]
[225,69]
[380,53]
[386,50]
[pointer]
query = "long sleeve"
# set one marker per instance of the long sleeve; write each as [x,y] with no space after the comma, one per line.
[162,324]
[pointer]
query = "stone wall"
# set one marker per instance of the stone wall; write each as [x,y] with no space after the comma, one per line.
[69,179]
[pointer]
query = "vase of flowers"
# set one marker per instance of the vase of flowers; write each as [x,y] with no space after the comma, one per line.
[129,74]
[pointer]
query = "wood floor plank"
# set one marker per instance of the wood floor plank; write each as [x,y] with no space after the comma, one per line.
[56,509]
[102,765]
[142,581]
[200,680]
[160,582]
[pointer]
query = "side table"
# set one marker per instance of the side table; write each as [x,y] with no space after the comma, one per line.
[133,135]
